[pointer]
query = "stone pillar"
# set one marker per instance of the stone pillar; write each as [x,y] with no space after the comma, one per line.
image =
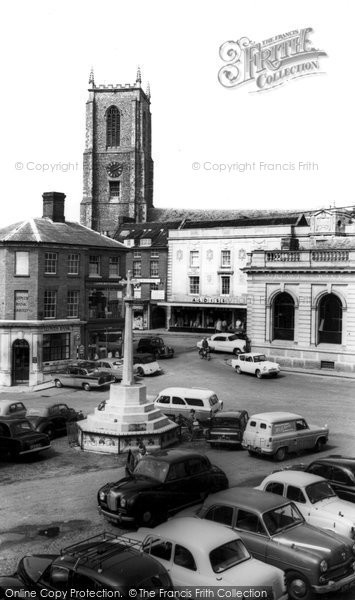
[127,374]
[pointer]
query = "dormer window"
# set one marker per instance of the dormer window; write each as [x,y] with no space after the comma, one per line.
[145,242]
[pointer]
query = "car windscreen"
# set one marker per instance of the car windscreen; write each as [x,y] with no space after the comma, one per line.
[281,518]
[213,400]
[228,555]
[320,490]
[152,468]
[144,360]
[21,427]
[226,422]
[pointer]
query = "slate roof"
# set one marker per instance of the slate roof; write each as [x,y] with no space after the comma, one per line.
[46,231]
[158,232]
[176,214]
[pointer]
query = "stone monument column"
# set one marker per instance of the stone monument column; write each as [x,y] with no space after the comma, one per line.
[127,374]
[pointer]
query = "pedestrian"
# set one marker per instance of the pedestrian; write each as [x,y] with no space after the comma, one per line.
[224,325]
[130,463]
[218,326]
[194,424]
[142,450]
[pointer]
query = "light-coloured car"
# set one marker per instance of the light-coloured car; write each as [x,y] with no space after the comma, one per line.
[145,364]
[201,553]
[277,433]
[315,498]
[11,408]
[114,366]
[175,401]
[255,364]
[227,342]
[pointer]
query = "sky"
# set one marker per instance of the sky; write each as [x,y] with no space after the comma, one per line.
[203,132]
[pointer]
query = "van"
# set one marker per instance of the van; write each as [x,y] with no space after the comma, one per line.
[177,401]
[278,433]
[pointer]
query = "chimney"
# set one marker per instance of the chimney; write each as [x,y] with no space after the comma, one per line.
[53,206]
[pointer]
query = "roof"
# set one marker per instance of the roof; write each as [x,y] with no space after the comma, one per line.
[229,414]
[213,215]
[185,391]
[46,231]
[173,455]
[157,232]
[196,533]
[345,461]
[275,417]
[247,498]
[294,477]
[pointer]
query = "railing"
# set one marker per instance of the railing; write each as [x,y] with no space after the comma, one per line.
[283,256]
[330,255]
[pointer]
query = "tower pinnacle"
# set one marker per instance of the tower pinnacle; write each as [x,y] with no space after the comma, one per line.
[91,77]
[139,76]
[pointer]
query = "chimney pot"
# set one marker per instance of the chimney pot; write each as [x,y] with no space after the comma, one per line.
[53,206]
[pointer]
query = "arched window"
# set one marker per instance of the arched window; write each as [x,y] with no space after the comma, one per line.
[284,317]
[113,127]
[330,320]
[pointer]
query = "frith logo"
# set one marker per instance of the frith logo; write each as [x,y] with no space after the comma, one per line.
[269,63]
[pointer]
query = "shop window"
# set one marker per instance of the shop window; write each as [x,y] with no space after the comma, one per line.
[154,268]
[137,268]
[114,191]
[194,285]
[194,258]
[330,320]
[56,346]
[50,304]
[225,258]
[73,304]
[94,266]
[50,263]
[284,317]
[113,127]
[73,264]
[114,266]
[225,286]
[22,266]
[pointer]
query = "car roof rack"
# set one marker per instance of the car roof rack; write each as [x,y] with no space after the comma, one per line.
[98,548]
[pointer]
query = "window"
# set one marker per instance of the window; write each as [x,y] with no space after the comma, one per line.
[180,401]
[50,263]
[50,304]
[247,521]
[154,254]
[137,268]
[73,304]
[275,487]
[225,286]
[184,558]
[114,266]
[56,346]
[154,286]
[225,258]
[94,266]
[194,285]
[114,190]
[145,242]
[176,471]
[154,268]
[158,548]
[73,264]
[196,466]
[284,317]
[321,470]
[194,258]
[340,477]
[330,320]
[21,305]
[136,254]
[113,127]
[22,263]
[294,493]
[221,514]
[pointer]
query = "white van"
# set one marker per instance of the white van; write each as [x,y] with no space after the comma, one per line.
[176,401]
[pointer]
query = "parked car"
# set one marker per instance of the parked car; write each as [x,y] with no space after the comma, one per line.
[315,499]
[155,345]
[95,567]
[227,342]
[12,586]
[256,364]
[113,366]
[227,428]
[275,532]
[53,419]
[176,401]
[84,375]
[277,433]
[145,364]
[19,438]
[161,484]
[9,408]
[206,554]
[339,471]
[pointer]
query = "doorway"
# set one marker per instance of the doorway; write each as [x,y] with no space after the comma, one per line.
[20,362]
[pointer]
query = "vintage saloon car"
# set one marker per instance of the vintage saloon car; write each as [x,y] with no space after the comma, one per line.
[156,346]
[227,428]
[52,420]
[19,438]
[84,375]
[11,408]
[315,499]
[206,554]
[161,483]
[227,342]
[256,364]
[275,532]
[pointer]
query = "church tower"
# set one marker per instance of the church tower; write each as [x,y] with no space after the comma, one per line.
[118,168]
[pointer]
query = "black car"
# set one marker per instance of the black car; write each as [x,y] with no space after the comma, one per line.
[155,345]
[19,438]
[53,419]
[227,428]
[96,567]
[340,472]
[162,483]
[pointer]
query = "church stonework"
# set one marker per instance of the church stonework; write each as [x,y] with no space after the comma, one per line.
[118,168]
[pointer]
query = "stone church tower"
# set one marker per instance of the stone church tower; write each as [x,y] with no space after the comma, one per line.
[118,168]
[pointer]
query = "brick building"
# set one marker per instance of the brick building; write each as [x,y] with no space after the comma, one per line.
[60,293]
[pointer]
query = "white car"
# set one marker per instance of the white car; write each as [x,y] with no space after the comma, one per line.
[315,498]
[202,553]
[256,364]
[226,342]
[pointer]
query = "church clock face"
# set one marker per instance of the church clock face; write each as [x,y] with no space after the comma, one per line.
[114,169]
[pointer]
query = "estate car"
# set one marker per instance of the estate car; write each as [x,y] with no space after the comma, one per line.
[227,428]
[176,401]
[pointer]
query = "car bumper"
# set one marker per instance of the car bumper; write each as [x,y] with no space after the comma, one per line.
[115,518]
[32,450]
[257,449]
[225,441]
[335,586]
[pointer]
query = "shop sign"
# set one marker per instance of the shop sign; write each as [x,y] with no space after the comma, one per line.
[21,305]
[211,299]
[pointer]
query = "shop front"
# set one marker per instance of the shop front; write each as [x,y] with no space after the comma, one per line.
[207,314]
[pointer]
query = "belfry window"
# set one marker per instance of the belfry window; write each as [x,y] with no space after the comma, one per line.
[330,320]
[283,317]
[113,127]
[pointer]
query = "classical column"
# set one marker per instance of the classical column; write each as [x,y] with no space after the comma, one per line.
[127,374]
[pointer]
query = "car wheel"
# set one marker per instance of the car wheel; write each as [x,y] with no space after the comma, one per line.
[58,383]
[280,454]
[140,372]
[236,351]
[50,432]
[251,453]
[298,586]
[149,518]
[238,369]
[258,373]
[86,387]
[319,445]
